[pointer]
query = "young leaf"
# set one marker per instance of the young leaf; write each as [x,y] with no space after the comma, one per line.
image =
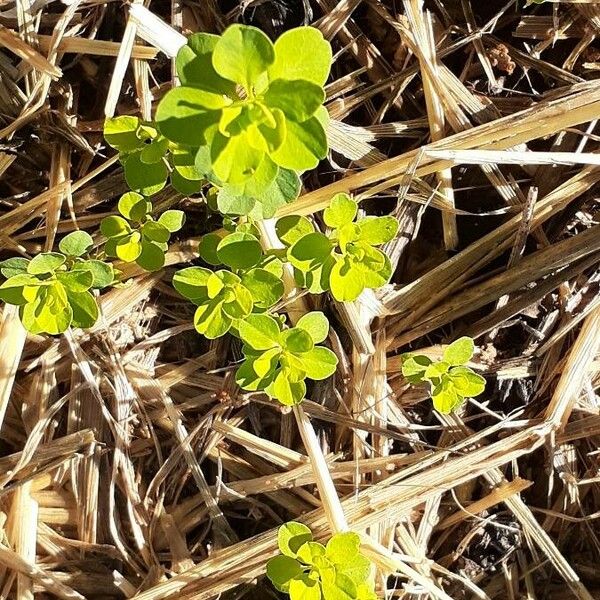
[460,351]
[243,54]
[304,146]
[14,266]
[319,363]
[260,332]
[75,281]
[288,392]
[234,159]
[377,230]
[291,64]
[210,319]
[304,587]
[292,228]
[283,189]
[341,588]
[207,249]
[445,397]
[414,366]
[172,220]
[466,382]
[316,324]
[346,280]
[341,211]
[309,551]
[281,570]
[239,251]
[310,251]
[133,206]
[76,243]
[156,232]
[291,536]
[298,99]
[114,226]
[19,289]
[129,247]
[121,133]
[296,340]
[46,262]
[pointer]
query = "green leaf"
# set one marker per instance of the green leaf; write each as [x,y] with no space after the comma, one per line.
[288,392]
[377,230]
[341,211]
[445,397]
[133,206]
[186,187]
[309,551]
[156,232]
[129,247]
[172,220]
[296,340]
[304,588]
[121,133]
[152,257]
[243,54]
[195,68]
[436,369]
[347,282]
[284,189]
[460,351]
[269,136]
[374,265]
[76,243]
[247,377]
[184,163]
[466,382]
[263,178]
[239,250]
[210,320]
[103,273]
[234,160]
[292,228]
[241,305]
[298,99]
[342,588]
[342,547]
[185,114]
[265,287]
[230,202]
[316,324]
[142,178]
[50,312]
[154,151]
[14,266]
[46,262]
[310,251]
[260,332]
[291,63]
[207,249]
[281,570]
[319,363]
[191,282]
[114,226]
[19,289]
[364,591]
[414,367]
[304,146]
[267,362]
[76,281]
[84,307]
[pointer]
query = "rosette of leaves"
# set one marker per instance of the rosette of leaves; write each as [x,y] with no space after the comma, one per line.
[53,290]
[252,282]
[136,236]
[253,110]
[450,381]
[344,261]
[278,360]
[308,570]
[149,159]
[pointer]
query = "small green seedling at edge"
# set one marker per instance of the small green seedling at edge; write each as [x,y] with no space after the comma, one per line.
[53,289]
[346,260]
[136,236]
[449,379]
[308,570]
[278,360]
[252,113]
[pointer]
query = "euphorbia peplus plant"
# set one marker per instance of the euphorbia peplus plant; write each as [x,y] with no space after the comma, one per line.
[53,289]
[308,570]
[449,380]
[251,111]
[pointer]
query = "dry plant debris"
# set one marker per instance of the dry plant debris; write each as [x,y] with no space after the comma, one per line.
[132,465]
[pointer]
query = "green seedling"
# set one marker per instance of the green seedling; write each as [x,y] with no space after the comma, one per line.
[53,289]
[308,570]
[149,159]
[449,379]
[345,260]
[136,236]
[252,113]
[278,360]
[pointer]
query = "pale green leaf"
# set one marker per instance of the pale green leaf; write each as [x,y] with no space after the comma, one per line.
[304,146]
[292,228]
[133,206]
[346,281]
[310,251]
[341,211]
[304,588]
[298,99]
[377,230]
[76,243]
[316,324]
[14,266]
[210,320]
[291,536]
[319,363]
[260,332]
[121,133]
[466,382]
[288,392]
[460,351]
[191,282]
[445,397]
[152,257]
[296,340]
[46,262]
[172,220]
[265,287]
[114,226]
[76,280]
[103,273]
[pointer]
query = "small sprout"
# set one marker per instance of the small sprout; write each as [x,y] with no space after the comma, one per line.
[344,261]
[308,570]
[136,236]
[278,360]
[449,380]
[53,290]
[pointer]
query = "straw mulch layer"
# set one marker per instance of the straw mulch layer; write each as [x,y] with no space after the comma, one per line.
[131,466]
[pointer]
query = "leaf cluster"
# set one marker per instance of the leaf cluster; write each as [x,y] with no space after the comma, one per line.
[344,260]
[149,159]
[251,112]
[278,360]
[449,379]
[308,570]
[136,236]
[53,290]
